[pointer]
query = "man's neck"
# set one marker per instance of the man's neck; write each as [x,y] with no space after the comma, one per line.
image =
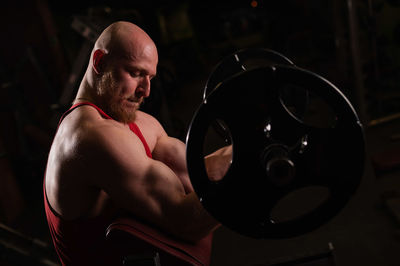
[82,99]
[84,91]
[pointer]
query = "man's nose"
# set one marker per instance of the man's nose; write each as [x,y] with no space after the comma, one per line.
[144,87]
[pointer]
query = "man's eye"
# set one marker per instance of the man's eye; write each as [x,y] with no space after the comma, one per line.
[135,74]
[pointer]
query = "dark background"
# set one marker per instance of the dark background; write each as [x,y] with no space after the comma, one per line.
[355,44]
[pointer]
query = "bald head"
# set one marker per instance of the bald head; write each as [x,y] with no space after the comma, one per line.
[124,39]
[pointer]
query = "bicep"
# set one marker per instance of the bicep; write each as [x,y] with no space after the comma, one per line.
[135,182]
[172,152]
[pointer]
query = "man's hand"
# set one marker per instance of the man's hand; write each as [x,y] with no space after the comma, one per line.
[218,163]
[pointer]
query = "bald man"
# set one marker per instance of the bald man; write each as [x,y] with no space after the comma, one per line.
[108,156]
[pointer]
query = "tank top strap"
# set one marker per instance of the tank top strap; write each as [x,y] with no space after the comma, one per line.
[132,126]
[73,107]
[137,131]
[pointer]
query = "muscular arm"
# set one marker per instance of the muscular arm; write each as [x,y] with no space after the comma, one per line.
[172,152]
[146,187]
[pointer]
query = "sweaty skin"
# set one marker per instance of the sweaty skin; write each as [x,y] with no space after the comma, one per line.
[97,164]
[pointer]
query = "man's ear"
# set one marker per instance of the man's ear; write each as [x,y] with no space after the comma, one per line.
[97,60]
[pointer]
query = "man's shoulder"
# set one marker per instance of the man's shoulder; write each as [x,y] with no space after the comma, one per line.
[149,122]
[145,117]
[85,128]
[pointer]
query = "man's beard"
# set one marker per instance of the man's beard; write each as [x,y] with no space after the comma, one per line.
[110,101]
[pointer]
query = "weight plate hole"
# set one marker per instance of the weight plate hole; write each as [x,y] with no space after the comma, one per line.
[307,107]
[217,149]
[298,203]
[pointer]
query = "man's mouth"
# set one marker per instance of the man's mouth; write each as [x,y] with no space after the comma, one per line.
[134,100]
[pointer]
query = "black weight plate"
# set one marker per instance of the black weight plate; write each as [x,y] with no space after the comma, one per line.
[243,200]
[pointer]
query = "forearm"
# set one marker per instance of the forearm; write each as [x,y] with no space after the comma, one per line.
[218,163]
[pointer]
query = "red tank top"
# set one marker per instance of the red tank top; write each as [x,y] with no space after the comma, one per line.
[83,241]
